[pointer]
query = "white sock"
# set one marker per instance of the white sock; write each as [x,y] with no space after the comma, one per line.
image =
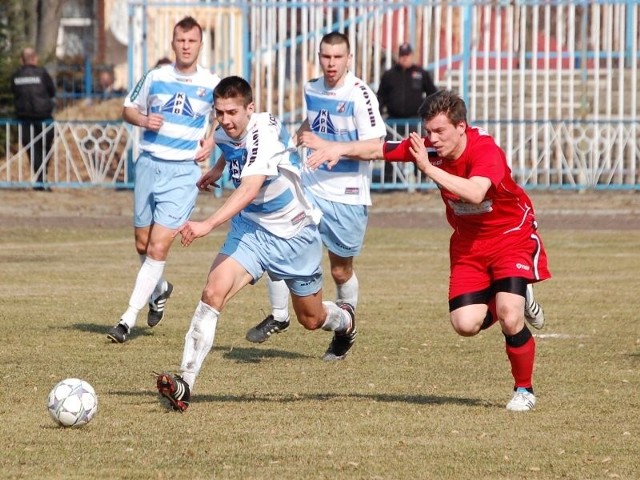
[348,291]
[161,286]
[279,299]
[148,275]
[198,341]
[338,320]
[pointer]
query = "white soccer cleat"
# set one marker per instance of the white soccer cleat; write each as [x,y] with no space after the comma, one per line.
[522,401]
[533,312]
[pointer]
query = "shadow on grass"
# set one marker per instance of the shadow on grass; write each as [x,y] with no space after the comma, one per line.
[326,396]
[376,397]
[104,329]
[256,355]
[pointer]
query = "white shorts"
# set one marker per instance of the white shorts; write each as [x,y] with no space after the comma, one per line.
[164,192]
[295,260]
[342,226]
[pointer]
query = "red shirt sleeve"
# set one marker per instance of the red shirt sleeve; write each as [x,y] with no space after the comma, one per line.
[397,151]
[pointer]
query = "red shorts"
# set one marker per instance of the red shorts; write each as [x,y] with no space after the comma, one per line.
[476,264]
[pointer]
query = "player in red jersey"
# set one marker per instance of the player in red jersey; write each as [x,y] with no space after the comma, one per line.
[495,250]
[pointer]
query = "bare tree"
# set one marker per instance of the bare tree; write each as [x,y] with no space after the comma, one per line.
[48,23]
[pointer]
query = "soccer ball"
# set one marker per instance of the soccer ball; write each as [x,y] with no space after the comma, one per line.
[72,403]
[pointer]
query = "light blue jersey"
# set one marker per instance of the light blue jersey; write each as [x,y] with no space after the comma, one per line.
[267,149]
[184,100]
[349,112]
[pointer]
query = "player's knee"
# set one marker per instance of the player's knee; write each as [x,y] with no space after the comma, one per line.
[464,326]
[341,274]
[511,319]
[310,322]
[213,297]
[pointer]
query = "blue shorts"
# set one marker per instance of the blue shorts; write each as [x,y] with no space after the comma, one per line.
[342,226]
[164,192]
[295,260]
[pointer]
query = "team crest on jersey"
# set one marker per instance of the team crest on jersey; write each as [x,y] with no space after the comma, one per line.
[341,107]
[323,124]
[179,105]
[201,92]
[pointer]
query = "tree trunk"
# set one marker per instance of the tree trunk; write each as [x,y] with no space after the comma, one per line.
[50,13]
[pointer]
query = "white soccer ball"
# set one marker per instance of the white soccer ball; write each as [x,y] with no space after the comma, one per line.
[72,402]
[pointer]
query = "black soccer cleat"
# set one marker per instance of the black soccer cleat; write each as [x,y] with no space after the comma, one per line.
[156,307]
[343,341]
[267,327]
[119,333]
[174,389]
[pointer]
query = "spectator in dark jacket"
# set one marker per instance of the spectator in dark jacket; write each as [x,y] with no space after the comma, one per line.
[402,89]
[404,86]
[33,93]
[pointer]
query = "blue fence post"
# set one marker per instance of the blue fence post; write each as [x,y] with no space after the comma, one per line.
[88,77]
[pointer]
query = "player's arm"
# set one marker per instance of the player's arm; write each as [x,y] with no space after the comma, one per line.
[331,152]
[472,190]
[207,143]
[242,196]
[303,128]
[135,117]
[209,179]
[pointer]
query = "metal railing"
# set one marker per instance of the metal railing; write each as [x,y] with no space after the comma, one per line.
[556,83]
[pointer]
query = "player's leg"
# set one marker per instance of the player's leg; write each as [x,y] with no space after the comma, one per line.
[278,320]
[163,289]
[469,290]
[520,345]
[342,230]
[149,275]
[175,198]
[517,260]
[236,265]
[345,279]
[533,312]
[313,313]
[226,278]
[143,206]
[164,197]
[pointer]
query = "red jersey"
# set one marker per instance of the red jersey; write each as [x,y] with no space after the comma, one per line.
[506,206]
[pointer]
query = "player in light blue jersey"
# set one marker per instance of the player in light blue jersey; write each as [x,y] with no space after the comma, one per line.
[273,230]
[172,104]
[340,107]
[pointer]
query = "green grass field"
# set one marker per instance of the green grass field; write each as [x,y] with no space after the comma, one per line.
[412,401]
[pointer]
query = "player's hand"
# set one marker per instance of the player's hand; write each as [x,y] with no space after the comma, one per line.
[310,140]
[204,152]
[154,121]
[192,230]
[208,181]
[419,152]
[329,155]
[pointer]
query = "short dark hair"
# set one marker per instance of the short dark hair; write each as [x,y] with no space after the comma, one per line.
[234,87]
[336,38]
[186,24]
[444,101]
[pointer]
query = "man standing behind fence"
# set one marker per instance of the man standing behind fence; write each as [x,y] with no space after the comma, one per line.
[172,104]
[33,94]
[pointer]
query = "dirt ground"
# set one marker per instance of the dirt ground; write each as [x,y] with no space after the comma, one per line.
[101,207]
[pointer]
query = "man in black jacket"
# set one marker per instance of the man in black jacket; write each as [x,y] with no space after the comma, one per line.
[33,93]
[402,89]
[404,86]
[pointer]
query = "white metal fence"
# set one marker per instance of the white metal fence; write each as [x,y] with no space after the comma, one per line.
[556,82]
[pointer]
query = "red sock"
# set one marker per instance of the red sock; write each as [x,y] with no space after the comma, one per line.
[522,359]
